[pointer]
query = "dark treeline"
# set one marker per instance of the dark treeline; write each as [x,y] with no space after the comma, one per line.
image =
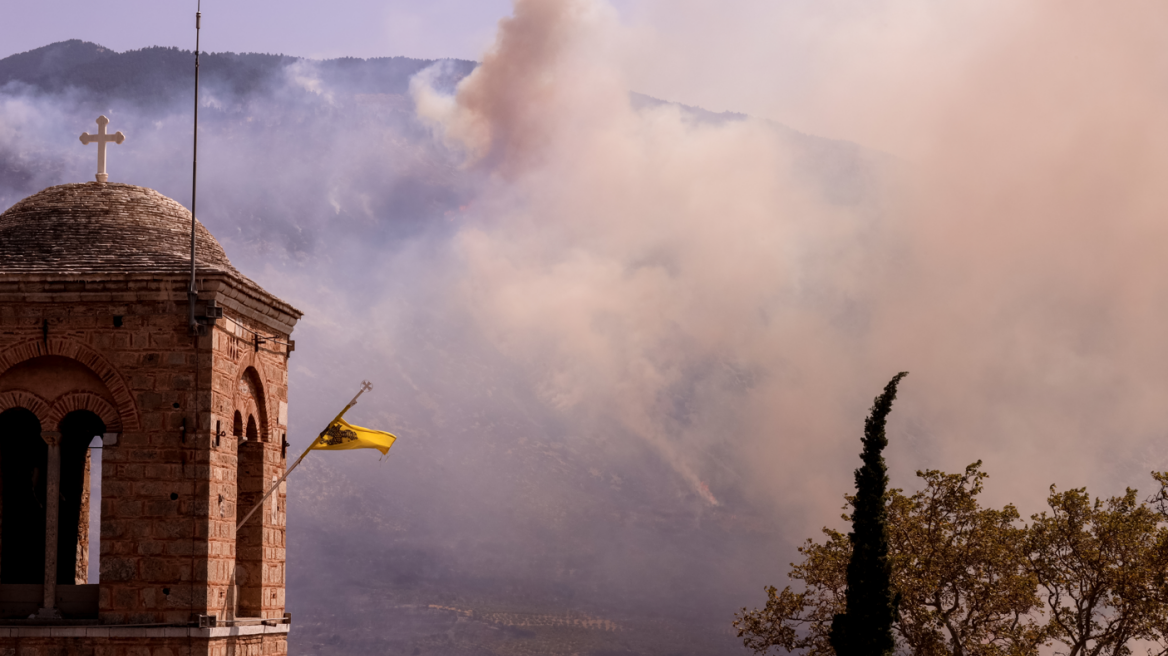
[157,75]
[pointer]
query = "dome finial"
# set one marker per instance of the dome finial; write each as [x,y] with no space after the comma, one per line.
[101,138]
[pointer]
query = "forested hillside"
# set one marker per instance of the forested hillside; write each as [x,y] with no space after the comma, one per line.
[155,76]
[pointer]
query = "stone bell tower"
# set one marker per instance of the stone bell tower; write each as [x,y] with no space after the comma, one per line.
[96,353]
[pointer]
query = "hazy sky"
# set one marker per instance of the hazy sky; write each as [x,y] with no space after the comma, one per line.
[353,28]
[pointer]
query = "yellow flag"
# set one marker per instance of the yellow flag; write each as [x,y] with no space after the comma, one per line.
[343,435]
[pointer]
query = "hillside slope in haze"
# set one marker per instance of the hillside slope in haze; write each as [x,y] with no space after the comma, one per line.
[501,523]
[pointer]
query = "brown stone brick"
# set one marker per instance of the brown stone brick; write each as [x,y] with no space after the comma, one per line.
[128,508]
[165,570]
[113,529]
[118,569]
[125,597]
[160,508]
[128,472]
[150,547]
[149,540]
[157,485]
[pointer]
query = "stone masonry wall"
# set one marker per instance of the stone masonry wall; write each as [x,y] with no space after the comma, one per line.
[153,526]
[253,381]
[168,491]
[74,642]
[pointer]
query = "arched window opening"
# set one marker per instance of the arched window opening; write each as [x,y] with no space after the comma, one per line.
[252,433]
[251,398]
[237,425]
[78,429]
[23,465]
[249,479]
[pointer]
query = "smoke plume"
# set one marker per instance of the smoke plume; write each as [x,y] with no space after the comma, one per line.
[628,345]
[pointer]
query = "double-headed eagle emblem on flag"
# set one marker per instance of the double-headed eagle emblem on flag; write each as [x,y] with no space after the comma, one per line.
[335,435]
[342,435]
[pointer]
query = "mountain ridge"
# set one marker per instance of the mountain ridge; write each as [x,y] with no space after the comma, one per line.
[158,78]
[156,74]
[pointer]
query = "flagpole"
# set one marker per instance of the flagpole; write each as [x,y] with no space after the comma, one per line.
[193,289]
[365,385]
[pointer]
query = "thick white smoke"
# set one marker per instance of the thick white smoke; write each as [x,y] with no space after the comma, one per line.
[685,281]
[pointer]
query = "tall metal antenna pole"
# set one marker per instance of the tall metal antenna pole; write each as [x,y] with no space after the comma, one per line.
[192,291]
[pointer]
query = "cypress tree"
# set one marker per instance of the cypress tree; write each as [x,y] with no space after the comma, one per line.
[865,627]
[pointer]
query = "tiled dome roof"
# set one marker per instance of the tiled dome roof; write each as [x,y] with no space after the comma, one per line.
[95,228]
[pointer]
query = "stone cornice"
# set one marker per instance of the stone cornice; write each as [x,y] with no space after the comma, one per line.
[236,293]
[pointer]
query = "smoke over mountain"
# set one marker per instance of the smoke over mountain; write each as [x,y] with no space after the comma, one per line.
[628,345]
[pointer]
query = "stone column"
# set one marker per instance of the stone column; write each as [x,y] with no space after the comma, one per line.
[81,573]
[52,515]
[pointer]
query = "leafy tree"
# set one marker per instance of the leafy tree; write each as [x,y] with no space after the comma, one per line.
[963,578]
[971,581]
[965,584]
[864,628]
[1100,565]
[801,621]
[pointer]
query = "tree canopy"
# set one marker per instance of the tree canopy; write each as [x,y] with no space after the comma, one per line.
[1086,576]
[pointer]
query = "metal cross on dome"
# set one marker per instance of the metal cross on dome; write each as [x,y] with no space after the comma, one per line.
[101,138]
